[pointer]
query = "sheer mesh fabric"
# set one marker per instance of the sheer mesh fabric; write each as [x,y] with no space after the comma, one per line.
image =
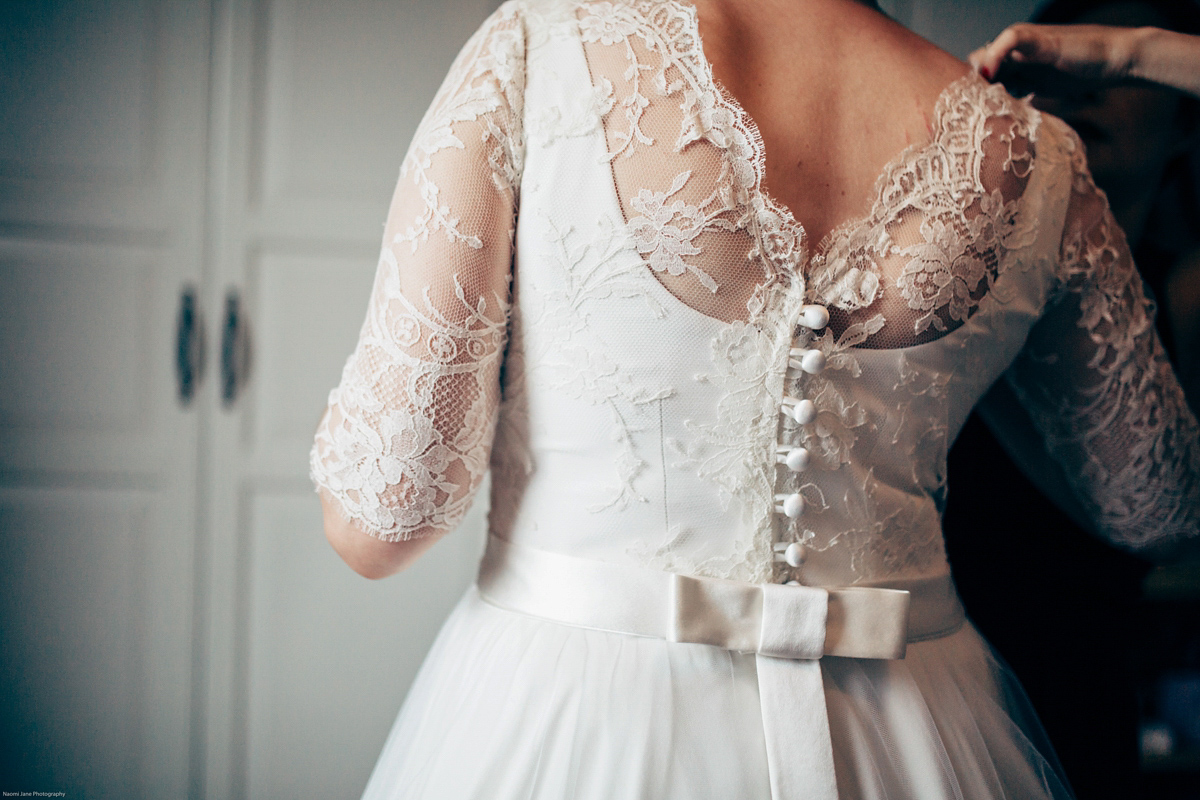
[405,441]
[946,217]
[1098,385]
[683,161]
[688,166]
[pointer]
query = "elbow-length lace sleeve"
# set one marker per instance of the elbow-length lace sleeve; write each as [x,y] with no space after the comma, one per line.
[1096,380]
[405,440]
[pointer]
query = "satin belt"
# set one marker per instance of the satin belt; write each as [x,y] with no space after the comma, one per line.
[789,628]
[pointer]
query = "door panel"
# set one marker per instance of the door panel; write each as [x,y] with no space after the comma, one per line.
[307,311]
[77,324]
[72,607]
[96,649]
[339,92]
[77,108]
[103,105]
[345,86]
[315,104]
[330,654]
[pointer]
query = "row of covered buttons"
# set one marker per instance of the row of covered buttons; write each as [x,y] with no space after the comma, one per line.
[804,411]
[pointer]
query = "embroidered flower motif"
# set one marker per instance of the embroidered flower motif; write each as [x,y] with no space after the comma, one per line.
[406,504]
[408,330]
[667,233]
[578,116]
[442,347]
[729,451]
[942,276]
[381,453]
[594,266]
[840,285]
[954,267]
[831,437]
[782,243]
[706,117]
[604,23]
[488,82]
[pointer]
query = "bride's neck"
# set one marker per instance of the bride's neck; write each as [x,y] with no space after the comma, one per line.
[748,36]
[784,21]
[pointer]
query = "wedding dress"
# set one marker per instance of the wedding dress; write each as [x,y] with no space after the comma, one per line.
[718,448]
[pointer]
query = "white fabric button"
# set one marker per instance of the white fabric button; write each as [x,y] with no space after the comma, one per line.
[793,506]
[797,459]
[811,361]
[815,317]
[791,553]
[804,412]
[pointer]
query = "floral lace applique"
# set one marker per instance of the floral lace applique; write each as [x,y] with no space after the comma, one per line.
[1098,384]
[379,450]
[476,90]
[591,270]
[983,138]
[609,25]
[668,57]
[729,453]
[908,539]
[666,233]
[950,259]
[582,117]
[913,384]
[405,441]
[946,275]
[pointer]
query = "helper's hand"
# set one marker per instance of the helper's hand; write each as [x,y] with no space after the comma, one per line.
[1085,51]
[1097,52]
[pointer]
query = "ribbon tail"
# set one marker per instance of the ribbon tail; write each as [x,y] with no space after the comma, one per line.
[796,729]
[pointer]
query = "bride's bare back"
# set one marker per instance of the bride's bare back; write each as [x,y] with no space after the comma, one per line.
[750,141]
[837,90]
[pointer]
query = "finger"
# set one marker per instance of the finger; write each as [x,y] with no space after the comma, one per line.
[987,59]
[976,58]
[981,61]
[1020,43]
[1037,44]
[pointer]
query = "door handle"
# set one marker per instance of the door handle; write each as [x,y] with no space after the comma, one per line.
[235,350]
[189,346]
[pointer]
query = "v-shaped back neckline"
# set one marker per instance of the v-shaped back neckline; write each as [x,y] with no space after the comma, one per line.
[759,152]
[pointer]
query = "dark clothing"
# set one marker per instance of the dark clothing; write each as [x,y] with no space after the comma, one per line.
[1057,603]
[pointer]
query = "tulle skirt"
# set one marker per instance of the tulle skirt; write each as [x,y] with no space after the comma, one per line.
[508,706]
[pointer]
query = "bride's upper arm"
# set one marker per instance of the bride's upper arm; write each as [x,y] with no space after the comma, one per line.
[405,441]
[1098,386]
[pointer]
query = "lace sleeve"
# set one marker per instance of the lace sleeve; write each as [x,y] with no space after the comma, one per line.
[1098,385]
[405,440]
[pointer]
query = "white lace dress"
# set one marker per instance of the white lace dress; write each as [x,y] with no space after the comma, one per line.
[584,288]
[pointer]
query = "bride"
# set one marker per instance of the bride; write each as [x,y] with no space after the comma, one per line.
[710,288]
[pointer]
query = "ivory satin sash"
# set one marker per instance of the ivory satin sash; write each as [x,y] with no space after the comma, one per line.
[789,628]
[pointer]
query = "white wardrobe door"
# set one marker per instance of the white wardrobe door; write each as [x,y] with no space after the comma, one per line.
[102,118]
[314,106]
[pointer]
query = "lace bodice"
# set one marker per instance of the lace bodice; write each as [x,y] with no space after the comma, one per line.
[660,367]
